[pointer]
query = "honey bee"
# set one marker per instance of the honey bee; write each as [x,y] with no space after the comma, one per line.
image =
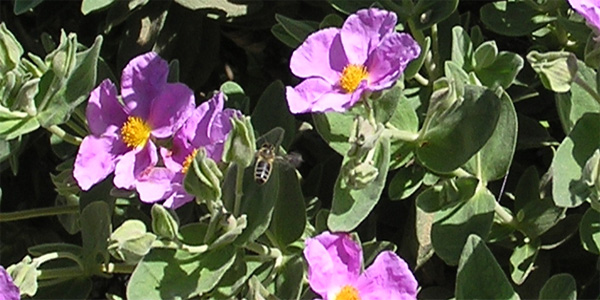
[265,156]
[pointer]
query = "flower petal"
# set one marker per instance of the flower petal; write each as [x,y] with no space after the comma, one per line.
[8,290]
[590,10]
[154,185]
[96,159]
[143,79]
[104,113]
[197,127]
[133,164]
[363,30]
[316,95]
[174,157]
[334,260]
[388,61]
[179,196]
[388,278]
[320,55]
[170,109]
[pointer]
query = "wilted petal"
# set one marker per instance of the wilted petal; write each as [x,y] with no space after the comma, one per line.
[388,278]
[133,165]
[8,290]
[104,113]
[320,55]
[334,260]
[170,109]
[362,32]
[96,159]
[390,59]
[154,185]
[143,79]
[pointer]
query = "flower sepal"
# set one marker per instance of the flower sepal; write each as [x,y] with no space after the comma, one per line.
[203,180]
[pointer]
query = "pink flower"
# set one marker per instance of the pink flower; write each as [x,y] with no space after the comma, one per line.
[590,10]
[122,139]
[207,127]
[334,265]
[339,65]
[8,290]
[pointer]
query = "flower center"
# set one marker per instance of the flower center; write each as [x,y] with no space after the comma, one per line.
[352,75]
[188,161]
[135,132]
[348,292]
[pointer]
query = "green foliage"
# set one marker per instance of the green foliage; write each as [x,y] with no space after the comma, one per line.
[512,18]
[559,286]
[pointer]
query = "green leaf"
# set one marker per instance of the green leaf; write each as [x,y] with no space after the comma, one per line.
[169,274]
[485,55]
[404,118]
[235,278]
[41,249]
[10,49]
[447,193]
[332,20]
[230,8]
[453,225]
[334,128]
[236,97]
[574,104]
[557,69]
[479,276]
[351,206]
[288,284]
[415,65]
[272,111]
[589,231]
[289,215]
[298,30]
[522,260]
[372,249]
[386,105]
[459,132]
[511,18]
[22,6]
[283,36]
[14,124]
[73,288]
[88,6]
[350,6]
[130,242]
[502,72]
[570,158]
[494,159]
[559,286]
[164,222]
[429,12]
[462,48]
[95,232]
[79,83]
[406,182]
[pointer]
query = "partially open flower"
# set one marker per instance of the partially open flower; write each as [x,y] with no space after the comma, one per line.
[334,271]
[122,135]
[207,127]
[340,65]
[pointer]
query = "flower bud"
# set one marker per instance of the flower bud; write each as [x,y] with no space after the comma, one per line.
[203,180]
[240,144]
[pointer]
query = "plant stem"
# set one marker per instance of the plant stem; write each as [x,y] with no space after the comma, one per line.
[239,185]
[435,50]
[112,268]
[505,216]
[587,88]
[64,135]
[402,135]
[60,273]
[39,212]
[421,80]
[75,127]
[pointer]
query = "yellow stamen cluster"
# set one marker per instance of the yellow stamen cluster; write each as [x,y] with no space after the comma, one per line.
[135,132]
[348,292]
[188,161]
[352,75]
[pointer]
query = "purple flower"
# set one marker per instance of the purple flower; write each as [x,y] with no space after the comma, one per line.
[590,10]
[8,290]
[339,65]
[334,264]
[207,127]
[122,135]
